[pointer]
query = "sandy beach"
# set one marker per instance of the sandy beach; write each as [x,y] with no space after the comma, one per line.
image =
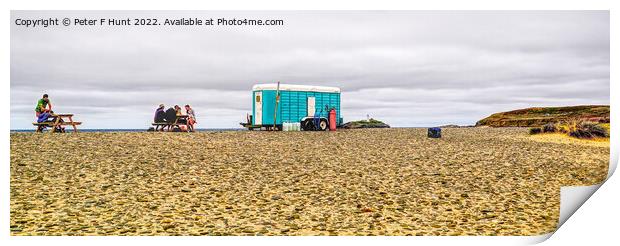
[473,181]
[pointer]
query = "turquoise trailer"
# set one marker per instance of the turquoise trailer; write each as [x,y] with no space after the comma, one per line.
[297,104]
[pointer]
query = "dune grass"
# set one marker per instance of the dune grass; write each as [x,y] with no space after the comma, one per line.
[575,128]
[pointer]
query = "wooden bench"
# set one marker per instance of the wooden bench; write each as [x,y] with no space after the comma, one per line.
[175,123]
[57,122]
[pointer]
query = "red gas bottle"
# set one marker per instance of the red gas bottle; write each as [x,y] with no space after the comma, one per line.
[332,119]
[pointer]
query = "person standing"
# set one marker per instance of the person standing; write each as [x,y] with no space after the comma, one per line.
[43,105]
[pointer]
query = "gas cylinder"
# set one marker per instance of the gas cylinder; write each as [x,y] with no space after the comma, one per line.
[332,119]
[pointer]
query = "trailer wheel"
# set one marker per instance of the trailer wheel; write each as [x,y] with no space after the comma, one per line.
[323,125]
[307,125]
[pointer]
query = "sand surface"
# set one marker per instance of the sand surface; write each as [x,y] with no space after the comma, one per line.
[473,181]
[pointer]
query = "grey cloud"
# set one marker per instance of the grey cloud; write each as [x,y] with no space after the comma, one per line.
[411,68]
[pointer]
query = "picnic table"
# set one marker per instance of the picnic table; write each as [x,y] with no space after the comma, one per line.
[176,123]
[57,121]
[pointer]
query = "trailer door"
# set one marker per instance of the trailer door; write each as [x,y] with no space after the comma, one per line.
[258,108]
[311,109]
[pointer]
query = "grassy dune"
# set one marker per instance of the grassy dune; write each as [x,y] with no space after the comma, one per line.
[473,181]
[542,115]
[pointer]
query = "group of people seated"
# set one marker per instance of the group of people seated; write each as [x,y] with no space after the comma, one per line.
[173,118]
[170,116]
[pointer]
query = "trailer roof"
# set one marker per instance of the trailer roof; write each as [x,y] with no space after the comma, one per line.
[289,87]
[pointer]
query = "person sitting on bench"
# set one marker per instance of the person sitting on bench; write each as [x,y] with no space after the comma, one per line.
[191,120]
[178,112]
[48,117]
[171,117]
[181,121]
[160,117]
[43,117]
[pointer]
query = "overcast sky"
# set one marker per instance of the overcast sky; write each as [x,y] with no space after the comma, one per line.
[407,68]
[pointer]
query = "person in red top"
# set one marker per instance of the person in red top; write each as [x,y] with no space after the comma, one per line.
[192,117]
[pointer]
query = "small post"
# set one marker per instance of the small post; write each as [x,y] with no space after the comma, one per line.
[275,109]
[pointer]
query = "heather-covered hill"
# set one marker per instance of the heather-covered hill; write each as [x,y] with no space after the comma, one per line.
[539,116]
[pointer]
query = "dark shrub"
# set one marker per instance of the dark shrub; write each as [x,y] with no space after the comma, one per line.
[549,127]
[586,129]
[580,134]
[594,129]
[535,130]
